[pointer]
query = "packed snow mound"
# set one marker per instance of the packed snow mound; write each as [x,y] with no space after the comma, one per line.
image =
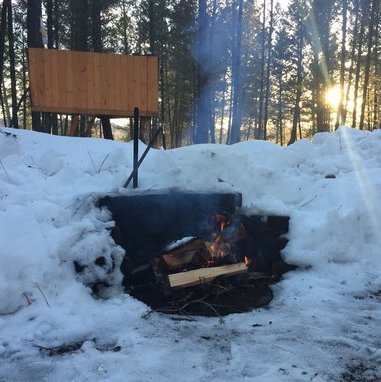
[48,221]
[330,187]
[49,225]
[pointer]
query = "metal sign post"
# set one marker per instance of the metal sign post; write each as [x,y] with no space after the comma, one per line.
[136,147]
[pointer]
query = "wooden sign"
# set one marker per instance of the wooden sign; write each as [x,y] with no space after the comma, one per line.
[92,83]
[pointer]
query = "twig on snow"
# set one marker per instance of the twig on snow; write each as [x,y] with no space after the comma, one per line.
[104,160]
[182,309]
[43,295]
[4,169]
[29,300]
[92,161]
[309,201]
[81,204]
[210,306]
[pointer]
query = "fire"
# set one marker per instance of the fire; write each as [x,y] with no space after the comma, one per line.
[198,253]
[222,220]
[226,235]
[220,247]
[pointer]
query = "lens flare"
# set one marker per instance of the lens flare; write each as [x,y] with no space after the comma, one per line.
[332,97]
[364,182]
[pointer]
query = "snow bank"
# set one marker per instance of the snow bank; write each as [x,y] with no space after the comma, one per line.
[47,217]
[330,187]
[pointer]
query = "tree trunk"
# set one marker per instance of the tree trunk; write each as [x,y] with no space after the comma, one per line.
[106,127]
[358,64]
[151,26]
[6,103]
[222,113]
[203,80]
[97,46]
[3,31]
[12,64]
[34,40]
[228,135]
[340,110]
[321,15]
[353,54]
[211,92]
[80,23]
[262,74]
[5,121]
[373,12]
[96,25]
[296,116]
[49,14]
[236,78]
[162,104]
[24,87]
[280,108]
[269,48]
[377,79]
[53,120]
[56,23]
[125,32]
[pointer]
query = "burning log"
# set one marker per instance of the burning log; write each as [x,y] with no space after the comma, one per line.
[204,261]
[191,254]
[204,275]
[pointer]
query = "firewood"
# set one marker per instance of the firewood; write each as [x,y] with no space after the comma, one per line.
[181,260]
[204,275]
[192,253]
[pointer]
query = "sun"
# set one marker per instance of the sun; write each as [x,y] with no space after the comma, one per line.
[332,97]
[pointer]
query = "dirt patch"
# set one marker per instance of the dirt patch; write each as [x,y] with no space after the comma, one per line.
[362,372]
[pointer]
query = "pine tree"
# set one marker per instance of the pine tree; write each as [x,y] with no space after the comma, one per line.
[319,24]
[236,79]
[204,114]
[34,40]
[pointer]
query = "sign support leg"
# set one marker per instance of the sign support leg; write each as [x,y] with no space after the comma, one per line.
[136,148]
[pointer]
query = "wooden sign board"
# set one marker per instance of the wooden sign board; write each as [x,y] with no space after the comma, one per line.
[92,83]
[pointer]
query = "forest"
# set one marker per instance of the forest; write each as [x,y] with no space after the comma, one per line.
[230,70]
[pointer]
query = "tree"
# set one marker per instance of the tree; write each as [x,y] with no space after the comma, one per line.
[371,34]
[34,40]
[281,57]
[250,67]
[3,32]
[236,78]
[340,109]
[268,70]
[204,115]
[320,20]
[299,70]
[353,56]
[262,71]
[12,64]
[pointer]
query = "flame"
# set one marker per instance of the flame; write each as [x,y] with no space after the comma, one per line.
[220,247]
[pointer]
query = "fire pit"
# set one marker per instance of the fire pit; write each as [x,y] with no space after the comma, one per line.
[196,253]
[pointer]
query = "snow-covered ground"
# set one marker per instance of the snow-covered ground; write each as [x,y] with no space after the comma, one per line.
[325,319]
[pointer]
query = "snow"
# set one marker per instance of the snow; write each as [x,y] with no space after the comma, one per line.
[325,316]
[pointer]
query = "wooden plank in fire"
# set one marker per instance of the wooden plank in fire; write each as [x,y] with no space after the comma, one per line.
[204,275]
[193,252]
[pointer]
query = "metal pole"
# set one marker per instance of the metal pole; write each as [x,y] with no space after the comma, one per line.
[136,147]
[155,135]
